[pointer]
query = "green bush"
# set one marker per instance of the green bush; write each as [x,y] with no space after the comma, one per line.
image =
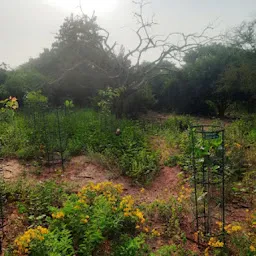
[240,140]
[35,200]
[168,250]
[81,131]
[97,217]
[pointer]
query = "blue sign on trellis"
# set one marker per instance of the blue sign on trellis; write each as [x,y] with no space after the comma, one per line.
[211,135]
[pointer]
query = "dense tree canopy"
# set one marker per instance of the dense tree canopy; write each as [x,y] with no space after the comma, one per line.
[19,82]
[81,65]
[213,78]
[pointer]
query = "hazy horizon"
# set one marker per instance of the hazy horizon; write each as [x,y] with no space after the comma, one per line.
[29,27]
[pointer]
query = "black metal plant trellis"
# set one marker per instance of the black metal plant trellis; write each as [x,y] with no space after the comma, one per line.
[208,155]
[49,132]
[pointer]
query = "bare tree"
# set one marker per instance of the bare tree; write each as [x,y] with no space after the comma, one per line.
[244,36]
[129,71]
[168,50]
[5,66]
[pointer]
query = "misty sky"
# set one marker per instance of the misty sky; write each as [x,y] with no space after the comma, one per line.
[28,26]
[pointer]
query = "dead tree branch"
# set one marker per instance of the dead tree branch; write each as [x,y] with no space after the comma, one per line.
[132,74]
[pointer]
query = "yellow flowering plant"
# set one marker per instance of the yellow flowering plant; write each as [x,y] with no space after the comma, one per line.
[241,239]
[24,242]
[96,214]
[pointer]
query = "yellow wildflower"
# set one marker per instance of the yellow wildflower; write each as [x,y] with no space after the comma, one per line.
[231,229]
[206,251]
[228,228]
[219,223]
[146,229]
[42,230]
[22,243]
[82,201]
[139,215]
[215,243]
[142,190]
[236,228]
[252,248]
[155,232]
[58,215]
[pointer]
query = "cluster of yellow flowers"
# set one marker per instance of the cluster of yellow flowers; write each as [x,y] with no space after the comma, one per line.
[58,215]
[110,197]
[101,187]
[110,191]
[139,215]
[252,248]
[232,228]
[82,200]
[184,194]
[127,205]
[206,251]
[86,219]
[22,242]
[146,229]
[215,243]
[229,228]
[155,232]
[220,224]
[251,218]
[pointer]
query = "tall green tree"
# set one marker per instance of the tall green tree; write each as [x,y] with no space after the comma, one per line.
[77,64]
[19,82]
[208,71]
[243,37]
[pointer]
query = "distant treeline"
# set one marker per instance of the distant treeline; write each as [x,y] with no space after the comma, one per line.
[214,79]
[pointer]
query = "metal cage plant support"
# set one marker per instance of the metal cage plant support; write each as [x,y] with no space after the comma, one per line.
[49,133]
[208,172]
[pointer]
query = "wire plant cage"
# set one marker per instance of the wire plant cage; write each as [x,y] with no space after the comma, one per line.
[49,132]
[208,172]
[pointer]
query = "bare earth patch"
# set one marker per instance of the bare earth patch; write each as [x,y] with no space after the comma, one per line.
[81,172]
[11,168]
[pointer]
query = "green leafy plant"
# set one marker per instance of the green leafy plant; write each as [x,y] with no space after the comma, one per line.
[86,222]
[7,108]
[35,200]
[69,104]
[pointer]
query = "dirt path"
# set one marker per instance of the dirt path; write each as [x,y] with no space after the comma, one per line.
[153,116]
[81,171]
[11,168]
